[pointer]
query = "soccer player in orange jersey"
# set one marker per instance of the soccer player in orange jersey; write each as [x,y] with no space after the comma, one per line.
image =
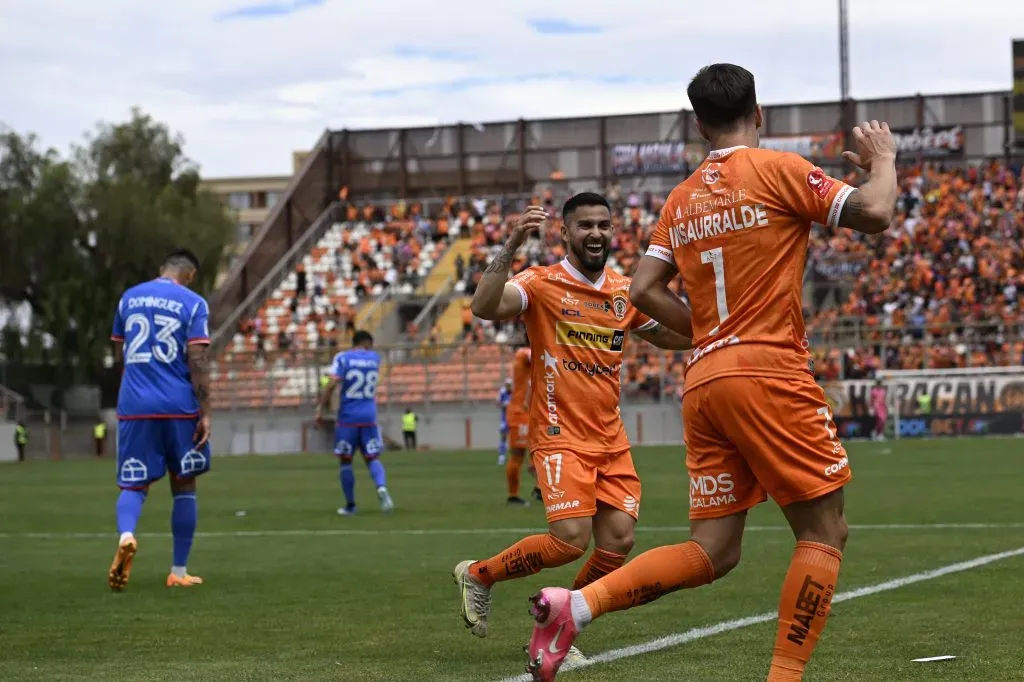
[519,424]
[755,423]
[577,314]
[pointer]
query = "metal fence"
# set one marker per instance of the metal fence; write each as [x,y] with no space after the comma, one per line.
[472,371]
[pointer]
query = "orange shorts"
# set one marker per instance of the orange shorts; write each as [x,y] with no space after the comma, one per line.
[750,437]
[519,435]
[573,483]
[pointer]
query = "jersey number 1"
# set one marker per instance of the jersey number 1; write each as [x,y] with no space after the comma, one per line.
[714,257]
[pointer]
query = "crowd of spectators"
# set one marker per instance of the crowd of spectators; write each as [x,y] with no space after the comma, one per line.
[942,287]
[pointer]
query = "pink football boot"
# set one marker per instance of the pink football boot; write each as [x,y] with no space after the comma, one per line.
[553,634]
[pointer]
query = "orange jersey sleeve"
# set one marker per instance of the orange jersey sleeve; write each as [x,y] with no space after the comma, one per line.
[808,192]
[661,244]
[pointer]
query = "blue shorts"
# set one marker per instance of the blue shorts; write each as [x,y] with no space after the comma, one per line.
[148,448]
[503,429]
[366,439]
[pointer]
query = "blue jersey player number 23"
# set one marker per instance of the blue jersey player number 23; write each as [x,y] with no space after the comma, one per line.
[157,408]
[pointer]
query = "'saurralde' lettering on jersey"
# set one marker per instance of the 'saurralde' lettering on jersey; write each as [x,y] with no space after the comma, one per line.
[589,336]
[718,223]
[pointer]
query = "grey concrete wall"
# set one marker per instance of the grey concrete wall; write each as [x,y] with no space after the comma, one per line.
[440,428]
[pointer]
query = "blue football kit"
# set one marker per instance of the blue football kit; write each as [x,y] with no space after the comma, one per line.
[357,372]
[157,409]
[157,413]
[504,398]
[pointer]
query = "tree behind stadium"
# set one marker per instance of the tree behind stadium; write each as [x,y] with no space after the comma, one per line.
[75,232]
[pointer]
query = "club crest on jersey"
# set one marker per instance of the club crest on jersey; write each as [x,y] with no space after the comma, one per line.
[619,303]
[711,174]
[819,183]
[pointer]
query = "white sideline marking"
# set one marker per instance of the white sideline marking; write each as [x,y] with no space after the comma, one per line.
[725,626]
[930,659]
[372,532]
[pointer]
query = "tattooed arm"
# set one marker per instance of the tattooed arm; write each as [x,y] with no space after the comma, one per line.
[870,209]
[495,298]
[662,337]
[199,368]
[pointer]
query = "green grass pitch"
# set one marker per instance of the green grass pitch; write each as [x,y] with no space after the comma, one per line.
[294,592]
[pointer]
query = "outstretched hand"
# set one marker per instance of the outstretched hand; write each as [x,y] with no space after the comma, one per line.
[873,141]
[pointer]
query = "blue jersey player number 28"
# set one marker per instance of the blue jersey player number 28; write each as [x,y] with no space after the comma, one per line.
[355,373]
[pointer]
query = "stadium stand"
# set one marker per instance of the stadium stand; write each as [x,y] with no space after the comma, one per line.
[942,288]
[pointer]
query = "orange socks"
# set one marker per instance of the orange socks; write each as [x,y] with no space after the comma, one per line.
[512,466]
[803,609]
[649,576]
[600,564]
[528,556]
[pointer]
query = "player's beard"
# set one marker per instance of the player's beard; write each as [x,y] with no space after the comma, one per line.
[591,262]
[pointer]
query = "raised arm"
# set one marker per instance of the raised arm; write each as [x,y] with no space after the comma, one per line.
[870,209]
[650,294]
[495,297]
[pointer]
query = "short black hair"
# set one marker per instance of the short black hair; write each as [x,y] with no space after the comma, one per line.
[181,258]
[580,200]
[361,337]
[722,95]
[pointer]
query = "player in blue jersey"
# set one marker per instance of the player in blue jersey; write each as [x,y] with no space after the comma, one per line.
[357,372]
[504,398]
[161,337]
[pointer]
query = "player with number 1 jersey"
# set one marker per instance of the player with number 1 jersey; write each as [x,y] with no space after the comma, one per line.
[755,422]
[357,372]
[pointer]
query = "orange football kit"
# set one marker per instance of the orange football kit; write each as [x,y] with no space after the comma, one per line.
[755,421]
[577,331]
[518,416]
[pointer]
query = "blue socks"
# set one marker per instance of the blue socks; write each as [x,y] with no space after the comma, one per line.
[377,473]
[183,527]
[129,509]
[348,484]
[502,448]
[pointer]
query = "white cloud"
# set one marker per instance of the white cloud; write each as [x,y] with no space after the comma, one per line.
[245,93]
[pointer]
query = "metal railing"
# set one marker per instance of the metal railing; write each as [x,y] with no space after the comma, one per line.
[469,372]
[281,269]
[12,405]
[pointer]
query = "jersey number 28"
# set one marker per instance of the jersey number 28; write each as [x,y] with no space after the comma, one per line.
[165,349]
[363,385]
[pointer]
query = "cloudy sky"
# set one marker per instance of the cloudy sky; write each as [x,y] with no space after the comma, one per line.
[248,81]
